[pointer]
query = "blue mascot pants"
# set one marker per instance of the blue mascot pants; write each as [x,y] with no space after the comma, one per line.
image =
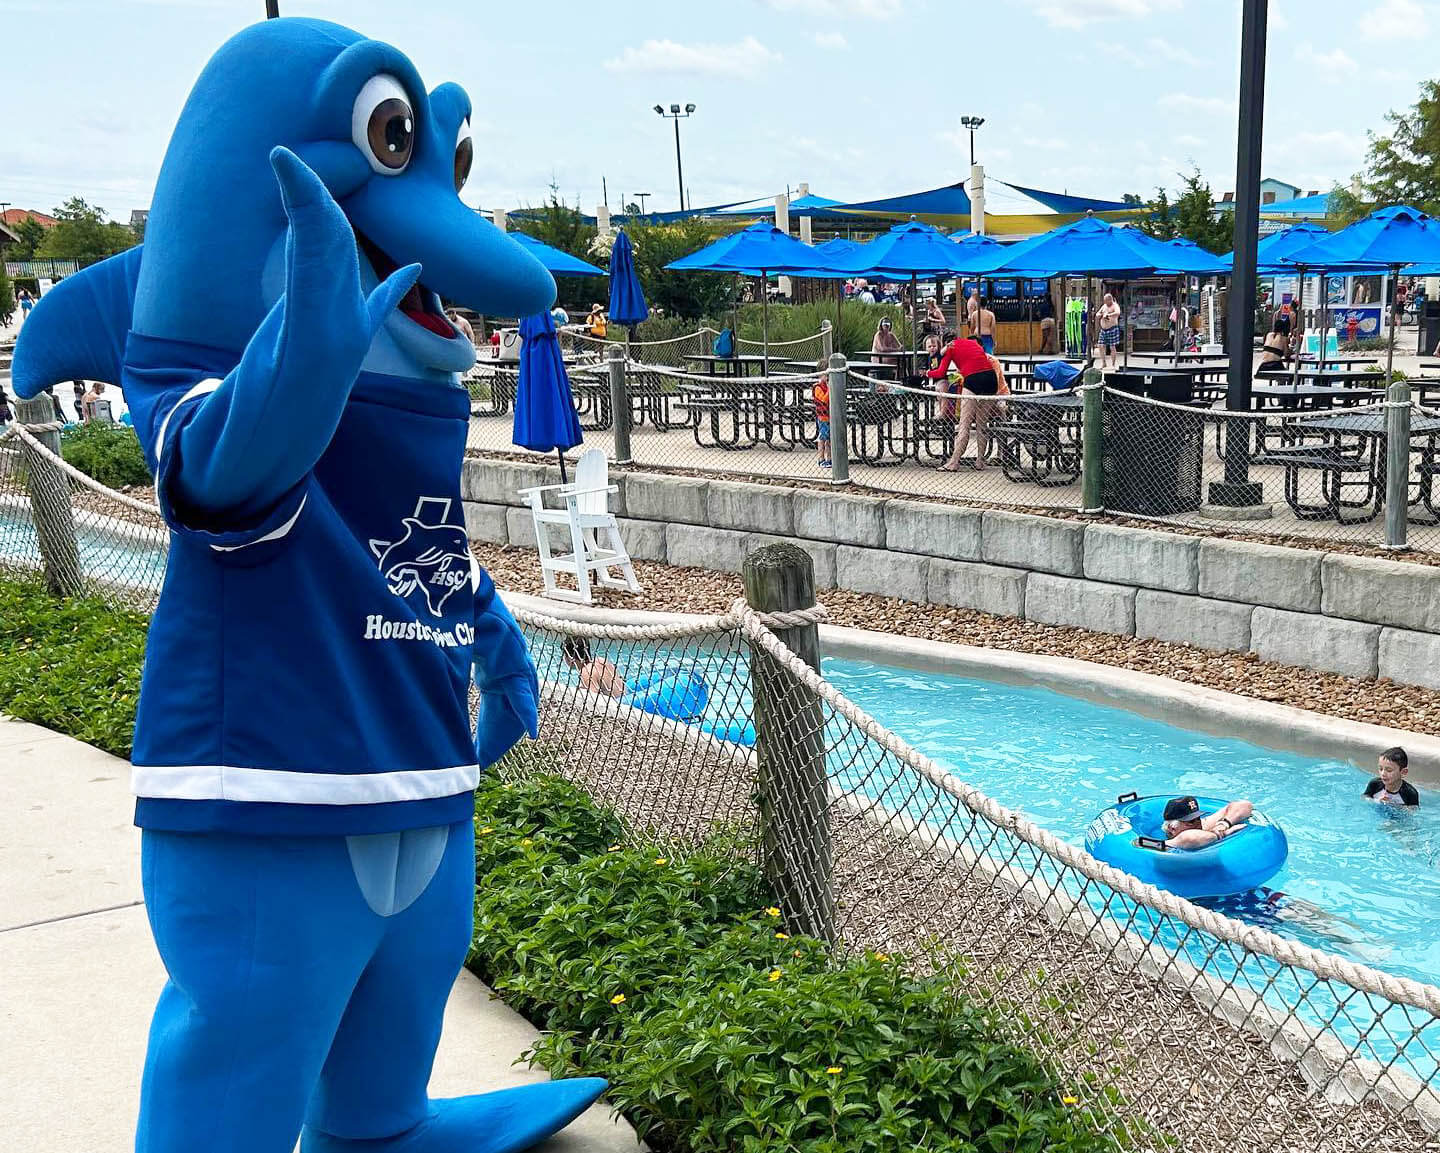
[291,999]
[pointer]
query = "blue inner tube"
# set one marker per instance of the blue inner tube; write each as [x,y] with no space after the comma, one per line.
[1243,861]
[682,694]
[678,693]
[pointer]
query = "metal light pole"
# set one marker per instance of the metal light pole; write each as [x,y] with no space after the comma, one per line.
[642,197]
[971,123]
[1237,490]
[677,115]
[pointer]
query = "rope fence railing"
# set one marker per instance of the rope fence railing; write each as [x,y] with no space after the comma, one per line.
[1175,1023]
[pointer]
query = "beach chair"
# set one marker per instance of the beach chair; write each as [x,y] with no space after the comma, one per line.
[585,513]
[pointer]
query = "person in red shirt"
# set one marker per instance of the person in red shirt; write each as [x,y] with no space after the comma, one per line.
[820,395]
[982,382]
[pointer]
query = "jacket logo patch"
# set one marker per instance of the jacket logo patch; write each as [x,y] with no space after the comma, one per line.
[430,558]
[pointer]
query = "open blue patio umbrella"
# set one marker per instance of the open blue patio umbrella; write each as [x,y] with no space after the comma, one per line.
[556,260]
[545,416]
[627,299]
[1388,239]
[759,250]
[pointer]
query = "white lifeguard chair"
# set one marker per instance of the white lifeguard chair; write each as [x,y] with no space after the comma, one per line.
[586,513]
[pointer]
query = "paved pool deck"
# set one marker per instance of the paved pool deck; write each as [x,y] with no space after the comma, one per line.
[81,974]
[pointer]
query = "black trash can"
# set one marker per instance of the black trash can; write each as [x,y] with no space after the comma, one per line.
[1430,328]
[1153,455]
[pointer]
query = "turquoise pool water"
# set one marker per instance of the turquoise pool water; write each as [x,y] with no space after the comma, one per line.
[1362,880]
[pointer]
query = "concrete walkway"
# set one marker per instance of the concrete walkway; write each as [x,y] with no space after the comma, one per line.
[79,973]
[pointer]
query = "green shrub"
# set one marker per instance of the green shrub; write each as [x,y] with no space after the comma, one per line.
[7,297]
[70,665]
[858,323]
[107,453]
[717,1030]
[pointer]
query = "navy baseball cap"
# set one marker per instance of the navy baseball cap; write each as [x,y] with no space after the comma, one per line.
[1183,809]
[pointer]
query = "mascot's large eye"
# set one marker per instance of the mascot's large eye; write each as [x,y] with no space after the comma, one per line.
[464,155]
[382,125]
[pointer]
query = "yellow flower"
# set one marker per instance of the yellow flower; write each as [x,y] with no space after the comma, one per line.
[485,830]
[882,956]
[782,936]
[660,860]
[1070,1100]
[772,911]
[614,848]
[618,999]
[836,1069]
[796,953]
[526,841]
[774,974]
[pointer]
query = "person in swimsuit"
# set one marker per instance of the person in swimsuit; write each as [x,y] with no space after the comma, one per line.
[597,675]
[1186,827]
[1390,787]
[982,381]
[1111,334]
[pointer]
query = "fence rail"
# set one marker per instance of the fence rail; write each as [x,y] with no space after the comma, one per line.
[1173,1024]
[1348,464]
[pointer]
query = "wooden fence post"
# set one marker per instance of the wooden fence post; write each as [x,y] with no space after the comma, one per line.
[50,502]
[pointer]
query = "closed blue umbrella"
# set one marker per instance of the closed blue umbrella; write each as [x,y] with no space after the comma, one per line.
[627,299]
[556,260]
[545,416]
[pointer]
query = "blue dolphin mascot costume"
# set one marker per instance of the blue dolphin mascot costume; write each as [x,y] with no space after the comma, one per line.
[304,765]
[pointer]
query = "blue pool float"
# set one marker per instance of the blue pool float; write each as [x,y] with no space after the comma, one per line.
[681,694]
[1130,835]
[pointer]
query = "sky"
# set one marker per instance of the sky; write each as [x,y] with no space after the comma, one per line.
[858,98]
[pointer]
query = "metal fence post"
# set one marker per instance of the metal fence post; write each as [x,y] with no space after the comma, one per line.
[619,403]
[1397,465]
[50,502]
[827,339]
[839,421]
[793,789]
[1092,492]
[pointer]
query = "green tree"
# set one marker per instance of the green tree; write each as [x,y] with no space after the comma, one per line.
[1191,216]
[83,233]
[30,234]
[689,294]
[565,228]
[1402,166]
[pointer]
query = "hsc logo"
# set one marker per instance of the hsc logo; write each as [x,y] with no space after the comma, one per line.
[429,558]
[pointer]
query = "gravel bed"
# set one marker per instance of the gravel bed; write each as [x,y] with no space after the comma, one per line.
[670,589]
[1186,1073]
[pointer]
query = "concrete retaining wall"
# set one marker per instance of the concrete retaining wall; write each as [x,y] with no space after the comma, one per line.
[1361,616]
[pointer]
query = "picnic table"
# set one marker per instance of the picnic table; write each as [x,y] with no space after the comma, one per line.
[740,364]
[1292,396]
[1348,450]
[1039,441]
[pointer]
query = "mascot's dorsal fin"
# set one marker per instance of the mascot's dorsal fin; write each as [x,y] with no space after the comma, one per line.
[77,330]
[378,547]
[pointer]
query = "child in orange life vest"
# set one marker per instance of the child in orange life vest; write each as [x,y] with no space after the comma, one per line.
[820,394]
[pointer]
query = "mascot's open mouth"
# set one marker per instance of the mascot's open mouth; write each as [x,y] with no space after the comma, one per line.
[420,304]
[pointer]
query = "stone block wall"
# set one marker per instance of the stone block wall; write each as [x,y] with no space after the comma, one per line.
[1361,616]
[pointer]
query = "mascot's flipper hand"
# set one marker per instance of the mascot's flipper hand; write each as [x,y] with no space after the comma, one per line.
[257,435]
[509,687]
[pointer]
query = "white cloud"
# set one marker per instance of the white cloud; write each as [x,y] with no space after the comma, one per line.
[1046,143]
[742,58]
[1327,67]
[1394,20]
[833,40]
[1078,13]
[865,9]
[1167,50]
[1184,102]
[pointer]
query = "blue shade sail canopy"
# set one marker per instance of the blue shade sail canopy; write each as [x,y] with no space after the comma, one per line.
[1387,238]
[908,250]
[556,261]
[627,299]
[545,416]
[759,249]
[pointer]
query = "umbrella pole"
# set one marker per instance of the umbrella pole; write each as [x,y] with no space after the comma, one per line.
[560,455]
[765,322]
[1300,348]
[1089,316]
[1126,333]
[1387,306]
[1179,310]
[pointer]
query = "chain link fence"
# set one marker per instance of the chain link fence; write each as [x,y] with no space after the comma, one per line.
[85,539]
[1175,1025]
[1344,465]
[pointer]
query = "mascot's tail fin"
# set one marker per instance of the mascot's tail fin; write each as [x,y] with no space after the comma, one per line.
[77,330]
